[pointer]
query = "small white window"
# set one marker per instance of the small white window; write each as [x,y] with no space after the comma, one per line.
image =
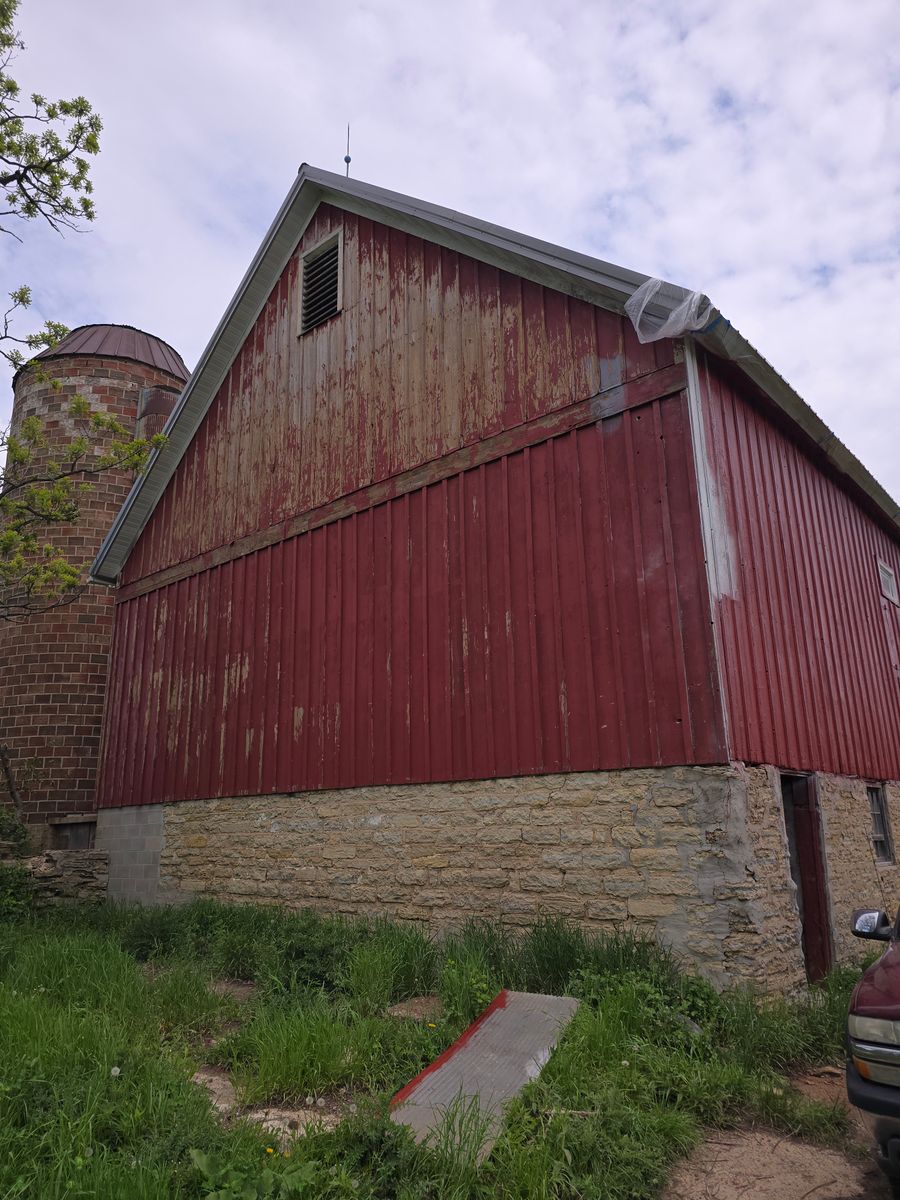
[888,582]
[321,282]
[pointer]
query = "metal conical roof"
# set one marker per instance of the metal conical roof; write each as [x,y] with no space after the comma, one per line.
[120,341]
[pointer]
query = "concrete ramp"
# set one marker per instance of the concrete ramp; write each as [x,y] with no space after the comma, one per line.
[489,1064]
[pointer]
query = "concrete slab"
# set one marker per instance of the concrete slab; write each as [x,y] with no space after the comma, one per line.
[489,1064]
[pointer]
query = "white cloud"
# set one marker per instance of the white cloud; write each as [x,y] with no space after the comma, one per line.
[750,150]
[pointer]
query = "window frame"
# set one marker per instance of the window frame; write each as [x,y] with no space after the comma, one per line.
[336,237]
[891,592]
[882,840]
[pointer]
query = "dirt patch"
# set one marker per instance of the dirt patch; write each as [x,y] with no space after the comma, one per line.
[757,1165]
[285,1123]
[418,1008]
[828,1086]
[241,990]
[220,1088]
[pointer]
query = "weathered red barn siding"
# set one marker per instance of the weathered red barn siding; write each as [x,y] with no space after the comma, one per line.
[809,645]
[433,351]
[545,611]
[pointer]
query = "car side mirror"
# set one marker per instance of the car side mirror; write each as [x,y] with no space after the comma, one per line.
[871,923]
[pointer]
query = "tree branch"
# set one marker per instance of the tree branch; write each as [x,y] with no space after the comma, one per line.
[8,776]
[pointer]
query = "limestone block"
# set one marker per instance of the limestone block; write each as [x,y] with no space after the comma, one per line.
[659,858]
[652,906]
[500,835]
[541,881]
[584,837]
[663,796]
[431,860]
[623,883]
[566,860]
[541,836]
[669,884]
[607,909]
[605,860]
[487,879]
[627,835]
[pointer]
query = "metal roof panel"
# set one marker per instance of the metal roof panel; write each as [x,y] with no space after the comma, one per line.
[118,341]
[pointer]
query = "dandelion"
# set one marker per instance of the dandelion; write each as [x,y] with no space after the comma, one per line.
[309,1102]
[625,1062]
[431,1025]
[269,1150]
[116,1072]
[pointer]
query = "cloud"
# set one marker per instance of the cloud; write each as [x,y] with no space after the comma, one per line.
[749,150]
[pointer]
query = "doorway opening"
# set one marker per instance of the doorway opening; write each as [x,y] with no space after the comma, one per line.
[803,826]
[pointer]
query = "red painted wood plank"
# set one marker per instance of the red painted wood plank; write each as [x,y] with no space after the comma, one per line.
[494,622]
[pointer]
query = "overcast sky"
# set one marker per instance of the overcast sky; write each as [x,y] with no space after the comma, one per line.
[750,150]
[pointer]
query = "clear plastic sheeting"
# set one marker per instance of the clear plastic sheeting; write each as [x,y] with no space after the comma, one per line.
[694,311]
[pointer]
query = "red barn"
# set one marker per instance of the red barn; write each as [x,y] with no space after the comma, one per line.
[448,594]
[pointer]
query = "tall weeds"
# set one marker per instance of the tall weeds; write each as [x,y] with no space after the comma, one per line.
[105,1012]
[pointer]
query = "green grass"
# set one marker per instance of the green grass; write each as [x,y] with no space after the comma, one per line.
[313,1045]
[105,1012]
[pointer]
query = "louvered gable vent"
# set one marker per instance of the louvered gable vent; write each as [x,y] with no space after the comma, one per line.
[321,285]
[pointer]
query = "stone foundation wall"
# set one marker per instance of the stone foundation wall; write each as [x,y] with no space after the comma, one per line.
[695,855]
[855,879]
[64,875]
[768,872]
[669,851]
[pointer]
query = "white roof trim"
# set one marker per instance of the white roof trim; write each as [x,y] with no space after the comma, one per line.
[565,270]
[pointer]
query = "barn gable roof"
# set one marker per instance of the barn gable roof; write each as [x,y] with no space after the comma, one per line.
[580,275]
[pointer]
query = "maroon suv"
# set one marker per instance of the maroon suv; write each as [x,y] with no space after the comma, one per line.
[873,1041]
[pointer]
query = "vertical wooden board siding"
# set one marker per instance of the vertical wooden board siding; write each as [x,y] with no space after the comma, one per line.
[809,660]
[431,351]
[543,612]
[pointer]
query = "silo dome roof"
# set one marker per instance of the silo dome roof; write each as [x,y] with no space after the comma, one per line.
[119,341]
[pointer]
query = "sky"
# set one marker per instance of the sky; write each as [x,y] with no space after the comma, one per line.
[748,150]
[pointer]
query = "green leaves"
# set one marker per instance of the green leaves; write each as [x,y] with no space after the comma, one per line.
[41,486]
[42,339]
[225,1182]
[43,145]
[44,172]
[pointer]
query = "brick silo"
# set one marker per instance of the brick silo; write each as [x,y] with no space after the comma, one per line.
[53,666]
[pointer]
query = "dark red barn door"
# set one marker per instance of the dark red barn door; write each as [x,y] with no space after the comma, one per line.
[804,834]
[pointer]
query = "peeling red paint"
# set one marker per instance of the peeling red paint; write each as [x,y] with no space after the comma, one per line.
[499,1001]
[433,351]
[543,611]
